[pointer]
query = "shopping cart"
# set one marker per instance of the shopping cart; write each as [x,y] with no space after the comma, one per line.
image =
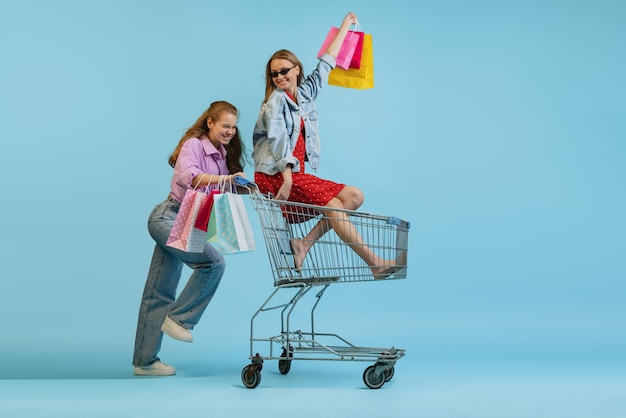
[330,260]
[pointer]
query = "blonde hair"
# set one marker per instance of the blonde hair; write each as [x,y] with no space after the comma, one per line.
[283,54]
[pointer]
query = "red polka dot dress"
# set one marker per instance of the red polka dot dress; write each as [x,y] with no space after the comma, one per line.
[306,188]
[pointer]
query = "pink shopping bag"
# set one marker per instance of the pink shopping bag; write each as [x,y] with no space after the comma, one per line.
[202,220]
[355,62]
[184,235]
[347,48]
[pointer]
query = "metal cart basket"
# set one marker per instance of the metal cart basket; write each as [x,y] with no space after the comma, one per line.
[330,260]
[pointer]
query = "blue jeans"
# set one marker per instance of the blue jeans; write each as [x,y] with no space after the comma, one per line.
[159,296]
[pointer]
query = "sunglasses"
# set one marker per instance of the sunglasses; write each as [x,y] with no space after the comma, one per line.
[275,74]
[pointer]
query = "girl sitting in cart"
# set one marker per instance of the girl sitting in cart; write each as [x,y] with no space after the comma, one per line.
[286,135]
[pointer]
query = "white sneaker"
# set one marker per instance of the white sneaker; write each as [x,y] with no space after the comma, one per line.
[155,369]
[176,331]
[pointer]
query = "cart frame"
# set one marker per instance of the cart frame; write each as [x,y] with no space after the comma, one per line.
[329,261]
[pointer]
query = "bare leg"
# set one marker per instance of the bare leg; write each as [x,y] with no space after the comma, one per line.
[337,220]
[348,234]
[350,198]
[380,267]
[301,247]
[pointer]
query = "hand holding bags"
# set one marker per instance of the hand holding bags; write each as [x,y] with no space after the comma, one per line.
[356,78]
[229,228]
[348,48]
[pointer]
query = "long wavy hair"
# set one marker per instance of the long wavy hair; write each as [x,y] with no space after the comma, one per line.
[235,156]
[285,55]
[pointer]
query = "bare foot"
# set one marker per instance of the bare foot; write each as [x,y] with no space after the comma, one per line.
[389,267]
[299,252]
[384,272]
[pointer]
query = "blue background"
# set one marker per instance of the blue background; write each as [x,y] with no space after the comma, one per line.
[496,128]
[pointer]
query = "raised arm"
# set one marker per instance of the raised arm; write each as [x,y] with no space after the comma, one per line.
[335,45]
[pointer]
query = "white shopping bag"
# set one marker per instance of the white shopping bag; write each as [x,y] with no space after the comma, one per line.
[229,229]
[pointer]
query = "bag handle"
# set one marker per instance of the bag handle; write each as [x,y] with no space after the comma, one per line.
[221,183]
[231,188]
[199,181]
[209,186]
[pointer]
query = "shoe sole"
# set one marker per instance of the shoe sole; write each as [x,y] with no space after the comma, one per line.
[142,372]
[171,334]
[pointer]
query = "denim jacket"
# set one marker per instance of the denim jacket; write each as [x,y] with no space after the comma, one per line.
[278,124]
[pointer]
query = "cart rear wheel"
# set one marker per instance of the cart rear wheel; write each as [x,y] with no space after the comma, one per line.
[371,380]
[251,376]
[389,374]
[285,365]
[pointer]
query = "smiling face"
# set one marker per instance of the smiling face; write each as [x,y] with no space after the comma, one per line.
[223,129]
[287,81]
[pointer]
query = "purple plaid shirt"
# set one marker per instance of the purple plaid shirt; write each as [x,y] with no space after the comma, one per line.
[197,156]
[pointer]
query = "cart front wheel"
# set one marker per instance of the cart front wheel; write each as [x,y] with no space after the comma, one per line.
[371,380]
[251,376]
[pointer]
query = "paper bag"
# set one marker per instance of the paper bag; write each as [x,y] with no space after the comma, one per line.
[229,229]
[356,78]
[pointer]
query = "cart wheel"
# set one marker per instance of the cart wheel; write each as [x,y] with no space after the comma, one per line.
[285,365]
[371,380]
[251,376]
[389,374]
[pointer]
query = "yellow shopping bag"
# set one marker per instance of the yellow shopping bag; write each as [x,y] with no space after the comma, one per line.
[356,78]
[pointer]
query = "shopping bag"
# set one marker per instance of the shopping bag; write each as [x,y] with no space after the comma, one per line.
[355,62]
[184,235]
[356,78]
[348,47]
[229,228]
[204,213]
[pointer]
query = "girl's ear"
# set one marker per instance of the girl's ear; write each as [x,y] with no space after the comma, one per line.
[208,122]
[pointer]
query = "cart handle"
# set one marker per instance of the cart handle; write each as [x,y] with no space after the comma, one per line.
[242,181]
